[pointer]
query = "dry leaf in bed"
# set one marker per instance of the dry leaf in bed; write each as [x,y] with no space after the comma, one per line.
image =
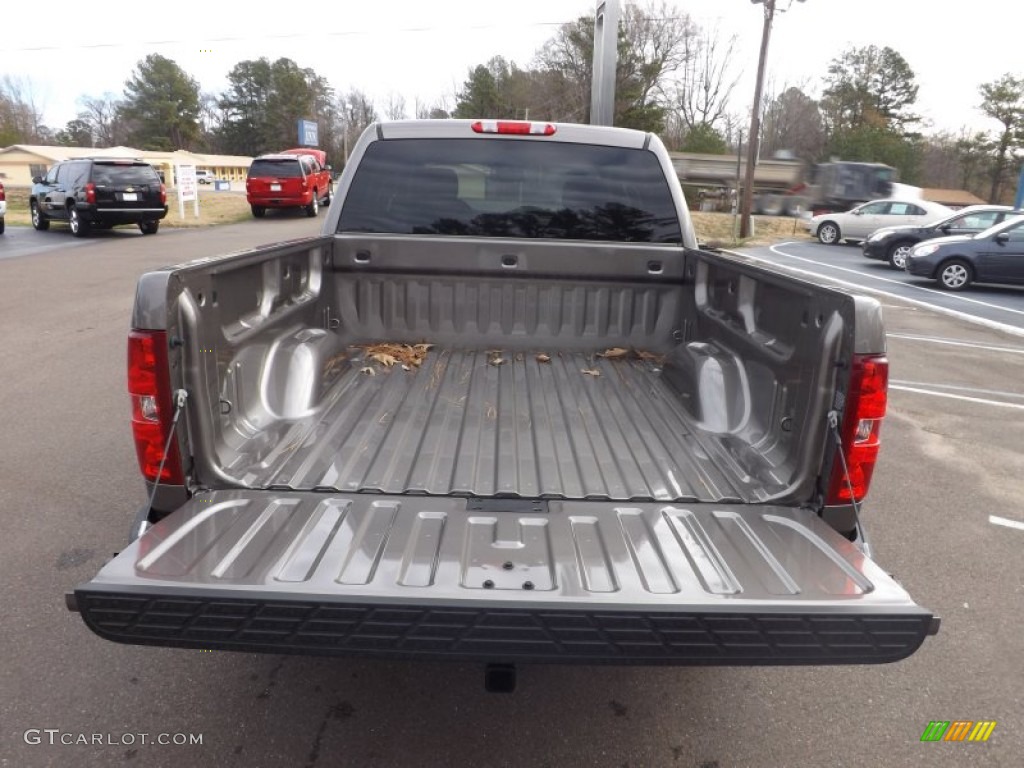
[590,371]
[652,356]
[542,358]
[368,371]
[613,352]
[389,354]
[496,360]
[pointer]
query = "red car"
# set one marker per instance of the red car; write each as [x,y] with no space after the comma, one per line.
[295,178]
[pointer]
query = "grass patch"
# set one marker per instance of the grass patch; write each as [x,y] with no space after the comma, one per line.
[214,208]
[717,229]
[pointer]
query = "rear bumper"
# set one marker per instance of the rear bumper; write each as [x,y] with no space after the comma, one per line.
[114,215]
[502,580]
[487,633]
[281,202]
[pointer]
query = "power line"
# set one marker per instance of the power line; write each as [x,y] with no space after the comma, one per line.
[305,35]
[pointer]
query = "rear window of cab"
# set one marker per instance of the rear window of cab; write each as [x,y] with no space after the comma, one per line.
[285,168]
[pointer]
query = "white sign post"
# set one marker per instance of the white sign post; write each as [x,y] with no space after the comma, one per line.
[188,188]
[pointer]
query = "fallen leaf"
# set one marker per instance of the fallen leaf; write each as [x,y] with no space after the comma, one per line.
[368,370]
[542,358]
[590,371]
[389,354]
[649,356]
[613,352]
[496,360]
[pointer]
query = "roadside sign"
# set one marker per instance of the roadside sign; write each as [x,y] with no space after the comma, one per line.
[188,187]
[308,133]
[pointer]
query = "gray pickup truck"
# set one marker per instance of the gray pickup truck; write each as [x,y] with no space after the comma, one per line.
[503,409]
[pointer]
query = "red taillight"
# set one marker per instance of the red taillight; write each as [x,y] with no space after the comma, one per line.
[3,195]
[90,193]
[516,127]
[152,411]
[163,195]
[862,421]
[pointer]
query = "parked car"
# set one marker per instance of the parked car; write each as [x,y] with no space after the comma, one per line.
[857,223]
[295,178]
[3,207]
[99,193]
[205,177]
[892,244]
[993,256]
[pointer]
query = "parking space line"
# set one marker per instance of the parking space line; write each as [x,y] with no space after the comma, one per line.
[935,291]
[955,343]
[951,396]
[995,520]
[958,389]
[993,324]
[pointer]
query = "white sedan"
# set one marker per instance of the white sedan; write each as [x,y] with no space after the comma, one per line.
[859,222]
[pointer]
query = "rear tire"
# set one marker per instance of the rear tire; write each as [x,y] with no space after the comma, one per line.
[314,205]
[259,211]
[955,274]
[829,233]
[39,221]
[898,255]
[79,227]
[149,227]
[1,226]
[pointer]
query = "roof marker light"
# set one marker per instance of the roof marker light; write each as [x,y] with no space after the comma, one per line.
[514,127]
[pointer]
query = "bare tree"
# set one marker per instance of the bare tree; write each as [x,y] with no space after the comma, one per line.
[420,109]
[21,117]
[356,113]
[652,47]
[394,108]
[707,78]
[792,121]
[100,113]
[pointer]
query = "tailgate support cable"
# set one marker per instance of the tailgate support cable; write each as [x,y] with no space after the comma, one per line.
[180,397]
[833,423]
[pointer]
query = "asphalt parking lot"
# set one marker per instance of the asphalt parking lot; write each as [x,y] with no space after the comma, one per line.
[951,462]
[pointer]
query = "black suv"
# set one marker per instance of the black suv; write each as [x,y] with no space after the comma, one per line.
[99,192]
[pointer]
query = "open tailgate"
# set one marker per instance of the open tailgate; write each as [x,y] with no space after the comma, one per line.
[502,580]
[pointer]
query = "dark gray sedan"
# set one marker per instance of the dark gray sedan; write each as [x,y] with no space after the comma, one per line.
[993,256]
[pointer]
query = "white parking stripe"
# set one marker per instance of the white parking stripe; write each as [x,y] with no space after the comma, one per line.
[959,389]
[1006,523]
[935,291]
[954,343]
[951,396]
[994,324]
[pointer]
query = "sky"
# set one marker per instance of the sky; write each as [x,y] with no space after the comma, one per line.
[420,49]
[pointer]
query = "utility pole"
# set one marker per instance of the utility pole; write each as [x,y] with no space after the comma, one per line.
[606,59]
[754,137]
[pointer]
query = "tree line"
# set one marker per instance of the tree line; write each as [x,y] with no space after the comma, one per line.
[674,78]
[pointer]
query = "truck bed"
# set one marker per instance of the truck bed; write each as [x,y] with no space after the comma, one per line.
[720,395]
[460,424]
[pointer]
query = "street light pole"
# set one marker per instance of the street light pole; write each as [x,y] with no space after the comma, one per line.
[754,137]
